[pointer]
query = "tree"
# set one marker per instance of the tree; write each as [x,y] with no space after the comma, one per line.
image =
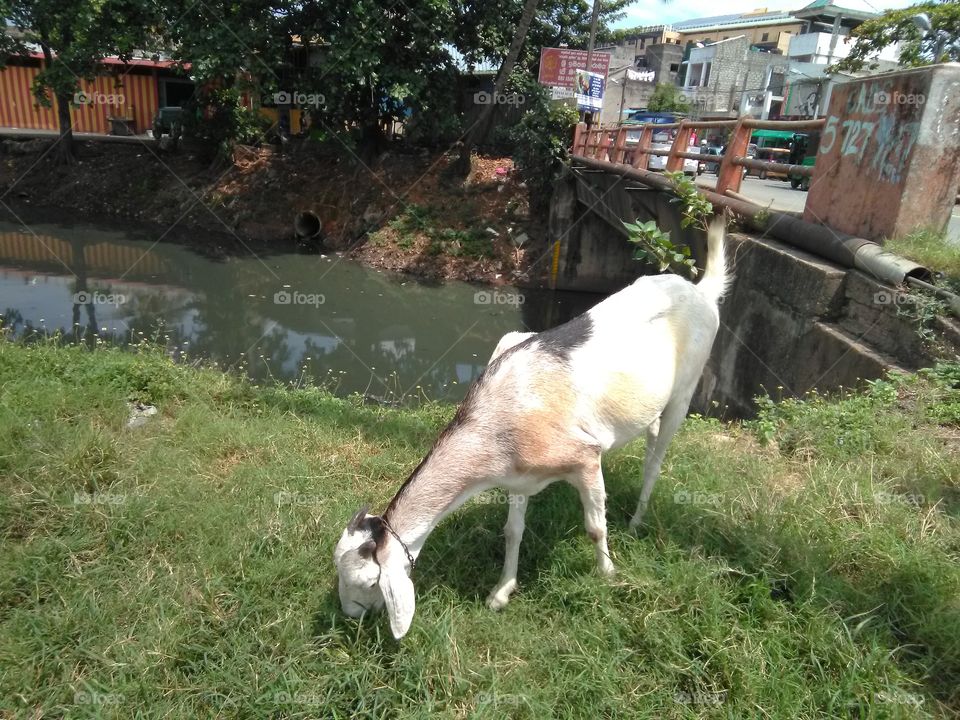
[667,98]
[479,131]
[372,63]
[74,35]
[897,26]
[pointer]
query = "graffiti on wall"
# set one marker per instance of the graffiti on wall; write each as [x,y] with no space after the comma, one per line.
[876,129]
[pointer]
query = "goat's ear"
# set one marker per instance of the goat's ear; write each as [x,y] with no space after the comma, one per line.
[358,516]
[398,595]
[367,549]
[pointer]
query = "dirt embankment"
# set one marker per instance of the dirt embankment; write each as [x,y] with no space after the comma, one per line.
[405,212]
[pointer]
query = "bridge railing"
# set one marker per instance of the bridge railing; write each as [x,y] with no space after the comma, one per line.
[616,144]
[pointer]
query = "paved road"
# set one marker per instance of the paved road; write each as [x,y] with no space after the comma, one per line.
[778,195]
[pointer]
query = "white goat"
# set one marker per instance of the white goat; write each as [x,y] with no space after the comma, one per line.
[545,409]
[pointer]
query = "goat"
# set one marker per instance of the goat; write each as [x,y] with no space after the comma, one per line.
[545,408]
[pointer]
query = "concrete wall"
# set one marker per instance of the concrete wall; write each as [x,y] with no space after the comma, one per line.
[791,322]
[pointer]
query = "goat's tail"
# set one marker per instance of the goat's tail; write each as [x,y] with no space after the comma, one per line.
[714,282]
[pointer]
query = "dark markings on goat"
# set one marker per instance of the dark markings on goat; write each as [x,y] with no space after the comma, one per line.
[564,339]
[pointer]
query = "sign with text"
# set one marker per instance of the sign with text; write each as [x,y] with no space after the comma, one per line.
[558,66]
[589,90]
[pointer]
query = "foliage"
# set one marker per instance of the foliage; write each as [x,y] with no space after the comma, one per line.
[668,98]
[654,246]
[783,581]
[482,30]
[895,26]
[694,206]
[217,118]
[419,221]
[540,141]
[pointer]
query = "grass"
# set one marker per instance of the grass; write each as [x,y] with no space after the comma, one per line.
[804,565]
[930,249]
[416,221]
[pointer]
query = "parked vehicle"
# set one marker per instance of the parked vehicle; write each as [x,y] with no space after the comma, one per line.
[661,140]
[707,165]
[168,121]
[771,145]
[803,152]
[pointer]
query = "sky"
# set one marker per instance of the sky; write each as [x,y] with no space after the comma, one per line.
[658,12]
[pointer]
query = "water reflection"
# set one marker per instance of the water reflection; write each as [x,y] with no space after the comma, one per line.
[282,316]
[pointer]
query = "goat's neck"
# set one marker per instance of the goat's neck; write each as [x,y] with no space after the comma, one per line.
[458,467]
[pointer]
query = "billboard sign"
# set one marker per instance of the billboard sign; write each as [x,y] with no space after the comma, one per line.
[558,66]
[589,90]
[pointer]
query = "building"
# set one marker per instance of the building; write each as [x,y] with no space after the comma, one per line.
[762,29]
[130,92]
[825,39]
[732,77]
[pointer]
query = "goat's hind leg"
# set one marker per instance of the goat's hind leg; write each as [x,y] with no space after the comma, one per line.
[593,495]
[661,432]
[513,532]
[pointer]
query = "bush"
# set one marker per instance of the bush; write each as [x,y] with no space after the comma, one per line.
[540,142]
[217,118]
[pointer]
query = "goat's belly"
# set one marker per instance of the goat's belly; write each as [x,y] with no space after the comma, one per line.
[625,408]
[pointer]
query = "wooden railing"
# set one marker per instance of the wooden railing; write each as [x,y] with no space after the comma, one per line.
[610,144]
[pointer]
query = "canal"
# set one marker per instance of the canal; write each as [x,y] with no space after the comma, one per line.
[303,318]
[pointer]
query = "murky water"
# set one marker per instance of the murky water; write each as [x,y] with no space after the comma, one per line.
[285,316]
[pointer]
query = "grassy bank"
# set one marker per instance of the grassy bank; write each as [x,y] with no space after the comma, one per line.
[804,566]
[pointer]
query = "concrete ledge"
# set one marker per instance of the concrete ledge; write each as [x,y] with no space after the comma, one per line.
[810,285]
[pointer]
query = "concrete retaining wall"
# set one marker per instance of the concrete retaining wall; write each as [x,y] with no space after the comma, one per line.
[791,322]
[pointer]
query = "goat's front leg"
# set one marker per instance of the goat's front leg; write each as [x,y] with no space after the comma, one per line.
[513,531]
[593,495]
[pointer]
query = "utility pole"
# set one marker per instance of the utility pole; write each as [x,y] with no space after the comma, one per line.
[588,116]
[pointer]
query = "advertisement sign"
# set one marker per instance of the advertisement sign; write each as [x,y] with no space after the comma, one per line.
[589,90]
[558,65]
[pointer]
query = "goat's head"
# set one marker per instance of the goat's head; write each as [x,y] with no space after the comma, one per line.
[372,573]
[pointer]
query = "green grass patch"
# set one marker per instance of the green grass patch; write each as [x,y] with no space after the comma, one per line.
[804,565]
[418,221]
[930,249]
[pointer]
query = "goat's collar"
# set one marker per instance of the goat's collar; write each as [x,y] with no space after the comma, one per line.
[406,550]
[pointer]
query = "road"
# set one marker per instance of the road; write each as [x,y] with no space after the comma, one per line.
[778,195]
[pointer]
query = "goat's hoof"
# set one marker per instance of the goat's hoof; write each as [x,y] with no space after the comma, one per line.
[499,598]
[635,524]
[607,570]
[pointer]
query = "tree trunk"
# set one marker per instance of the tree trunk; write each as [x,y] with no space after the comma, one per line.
[478,132]
[65,150]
